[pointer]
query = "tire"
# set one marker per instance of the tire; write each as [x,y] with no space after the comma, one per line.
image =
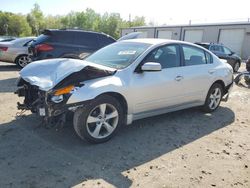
[99,120]
[22,61]
[236,66]
[208,106]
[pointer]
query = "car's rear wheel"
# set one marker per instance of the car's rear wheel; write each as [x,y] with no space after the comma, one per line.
[22,60]
[213,98]
[236,66]
[99,120]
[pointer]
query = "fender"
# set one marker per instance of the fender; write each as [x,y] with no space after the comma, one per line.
[97,87]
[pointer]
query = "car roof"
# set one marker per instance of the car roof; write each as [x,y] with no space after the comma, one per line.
[210,43]
[155,41]
[73,30]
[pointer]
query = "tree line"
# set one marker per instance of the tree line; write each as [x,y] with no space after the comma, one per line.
[35,22]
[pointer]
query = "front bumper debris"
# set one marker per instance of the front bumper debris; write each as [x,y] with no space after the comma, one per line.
[228,90]
[39,102]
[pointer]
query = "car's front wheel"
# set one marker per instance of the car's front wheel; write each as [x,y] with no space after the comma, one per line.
[99,120]
[213,98]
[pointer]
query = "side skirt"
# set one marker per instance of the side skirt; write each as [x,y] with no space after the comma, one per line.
[131,118]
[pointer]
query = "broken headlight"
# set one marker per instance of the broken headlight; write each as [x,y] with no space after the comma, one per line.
[60,94]
[57,98]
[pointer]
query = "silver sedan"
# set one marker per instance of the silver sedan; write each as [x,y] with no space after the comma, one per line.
[15,51]
[123,82]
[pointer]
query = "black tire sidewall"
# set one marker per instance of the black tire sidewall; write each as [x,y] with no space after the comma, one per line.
[206,107]
[81,115]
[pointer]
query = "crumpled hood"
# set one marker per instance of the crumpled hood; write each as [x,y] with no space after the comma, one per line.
[48,73]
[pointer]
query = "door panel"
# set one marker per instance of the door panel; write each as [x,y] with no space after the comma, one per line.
[198,73]
[156,90]
[196,82]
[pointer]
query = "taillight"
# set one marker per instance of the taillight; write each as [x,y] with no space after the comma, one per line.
[3,48]
[44,47]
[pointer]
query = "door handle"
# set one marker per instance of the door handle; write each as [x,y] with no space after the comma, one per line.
[211,71]
[178,78]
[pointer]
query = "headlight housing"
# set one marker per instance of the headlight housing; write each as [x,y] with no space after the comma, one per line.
[64,90]
[57,98]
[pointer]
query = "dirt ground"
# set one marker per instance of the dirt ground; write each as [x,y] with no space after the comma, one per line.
[182,149]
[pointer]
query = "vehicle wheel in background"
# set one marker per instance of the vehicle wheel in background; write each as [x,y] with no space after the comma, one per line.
[22,60]
[213,98]
[99,120]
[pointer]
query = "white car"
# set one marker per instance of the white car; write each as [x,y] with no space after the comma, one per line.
[16,51]
[123,82]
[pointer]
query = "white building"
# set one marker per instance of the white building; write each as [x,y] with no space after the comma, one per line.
[233,35]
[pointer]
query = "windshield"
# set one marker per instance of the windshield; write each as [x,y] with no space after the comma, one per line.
[118,55]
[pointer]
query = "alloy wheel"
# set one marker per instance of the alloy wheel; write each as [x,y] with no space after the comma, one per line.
[215,98]
[102,121]
[23,61]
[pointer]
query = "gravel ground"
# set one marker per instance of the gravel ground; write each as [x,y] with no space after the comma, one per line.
[182,149]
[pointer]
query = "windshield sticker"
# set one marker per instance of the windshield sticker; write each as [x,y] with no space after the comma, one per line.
[127,52]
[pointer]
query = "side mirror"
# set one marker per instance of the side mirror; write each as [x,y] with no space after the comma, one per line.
[151,66]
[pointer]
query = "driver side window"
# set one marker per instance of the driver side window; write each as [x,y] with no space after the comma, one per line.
[168,56]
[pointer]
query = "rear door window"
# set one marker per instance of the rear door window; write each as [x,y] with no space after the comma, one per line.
[209,57]
[193,55]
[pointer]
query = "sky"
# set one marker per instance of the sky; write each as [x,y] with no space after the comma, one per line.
[160,12]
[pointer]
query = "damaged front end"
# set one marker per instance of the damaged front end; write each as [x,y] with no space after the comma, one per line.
[49,105]
[48,97]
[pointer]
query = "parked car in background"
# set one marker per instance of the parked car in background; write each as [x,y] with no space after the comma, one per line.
[16,51]
[224,52]
[65,43]
[248,64]
[118,84]
[7,38]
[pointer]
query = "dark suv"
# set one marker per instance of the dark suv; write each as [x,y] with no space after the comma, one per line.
[54,43]
[224,52]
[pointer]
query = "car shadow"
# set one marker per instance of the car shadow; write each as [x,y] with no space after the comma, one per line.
[38,157]
[8,67]
[8,85]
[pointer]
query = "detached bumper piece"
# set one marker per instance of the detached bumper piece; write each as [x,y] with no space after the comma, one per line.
[228,89]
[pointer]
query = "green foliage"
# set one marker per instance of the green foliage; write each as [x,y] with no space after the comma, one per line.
[35,22]
[36,19]
[14,24]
